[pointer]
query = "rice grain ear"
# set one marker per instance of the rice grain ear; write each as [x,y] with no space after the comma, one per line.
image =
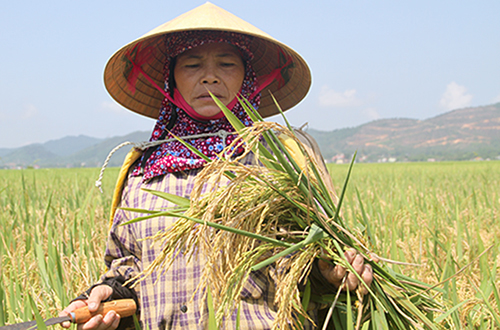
[277,215]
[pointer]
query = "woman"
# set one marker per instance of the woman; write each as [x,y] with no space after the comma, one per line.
[205,50]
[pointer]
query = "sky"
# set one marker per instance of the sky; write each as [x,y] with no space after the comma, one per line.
[369,60]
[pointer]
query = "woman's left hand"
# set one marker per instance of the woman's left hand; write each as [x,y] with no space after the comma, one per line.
[335,273]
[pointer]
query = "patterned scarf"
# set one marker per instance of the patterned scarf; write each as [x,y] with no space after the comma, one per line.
[173,120]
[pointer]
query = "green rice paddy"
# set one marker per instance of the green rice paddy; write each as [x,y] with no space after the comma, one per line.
[443,218]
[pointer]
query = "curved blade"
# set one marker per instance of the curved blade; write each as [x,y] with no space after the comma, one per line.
[32,324]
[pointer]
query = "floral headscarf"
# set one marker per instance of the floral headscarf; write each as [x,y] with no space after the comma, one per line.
[173,120]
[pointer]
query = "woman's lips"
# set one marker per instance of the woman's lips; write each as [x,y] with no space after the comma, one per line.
[205,96]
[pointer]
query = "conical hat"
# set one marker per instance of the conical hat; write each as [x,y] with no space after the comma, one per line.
[146,99]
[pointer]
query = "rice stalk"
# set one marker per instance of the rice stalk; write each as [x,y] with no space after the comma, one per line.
[287,199]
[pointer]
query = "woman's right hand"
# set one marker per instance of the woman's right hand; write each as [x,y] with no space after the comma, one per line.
[110,321]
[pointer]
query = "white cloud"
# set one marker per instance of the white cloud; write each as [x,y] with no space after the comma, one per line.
[331,98]
[29,111]
[113,107]
[496,99]
[455,97]
[371,113]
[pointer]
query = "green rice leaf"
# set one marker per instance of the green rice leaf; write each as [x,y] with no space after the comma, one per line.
[315,234]
[344,188]
[409,306]
[177,200]
[493,313]
[233,120]
[379,320]
[212,324]
[137,325]
[282,113]
[350,321]
[154,212]
[213,225]
[39,320]
[192,148]
[364,220]
[306,297]
[451,311]
[249,109]
[238,316]
[294,170]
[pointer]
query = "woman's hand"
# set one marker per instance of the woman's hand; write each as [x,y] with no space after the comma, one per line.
[110,321]
[335,273]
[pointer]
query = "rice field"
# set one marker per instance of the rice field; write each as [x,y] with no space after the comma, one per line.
[441,217]
[53,229]
[445,217]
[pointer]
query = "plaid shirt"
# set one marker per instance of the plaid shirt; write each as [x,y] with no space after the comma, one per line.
[165,297]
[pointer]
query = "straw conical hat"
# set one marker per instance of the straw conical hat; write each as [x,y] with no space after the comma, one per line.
[146,99]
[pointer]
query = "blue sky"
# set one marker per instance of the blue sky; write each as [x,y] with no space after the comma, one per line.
[369,60]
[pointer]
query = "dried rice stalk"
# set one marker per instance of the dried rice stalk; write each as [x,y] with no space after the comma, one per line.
[279,218]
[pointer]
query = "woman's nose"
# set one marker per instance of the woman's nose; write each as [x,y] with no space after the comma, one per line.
[210,80]
[210,76]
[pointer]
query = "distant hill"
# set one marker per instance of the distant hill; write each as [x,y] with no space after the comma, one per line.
[70,144]
[50,153]
[95,155]
[456,135]
[30,154]
[5,151]
[71,151]
[461,134]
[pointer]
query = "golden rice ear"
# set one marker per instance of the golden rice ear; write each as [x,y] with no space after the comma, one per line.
[273,206]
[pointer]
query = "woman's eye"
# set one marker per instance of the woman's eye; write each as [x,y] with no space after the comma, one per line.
[192,65]
[228,64]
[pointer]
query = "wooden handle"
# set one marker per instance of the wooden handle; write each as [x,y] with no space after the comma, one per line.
[123,307]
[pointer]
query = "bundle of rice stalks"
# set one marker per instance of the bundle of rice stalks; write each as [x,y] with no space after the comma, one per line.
[277,216]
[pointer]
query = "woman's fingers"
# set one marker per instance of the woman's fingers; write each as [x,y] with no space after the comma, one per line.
[335,274]
[71,307]
[109,321]
[98,294]
[367,276]
[358,263]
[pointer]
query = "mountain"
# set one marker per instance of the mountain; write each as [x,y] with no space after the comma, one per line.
[456,135]
[71,151]
[70,144]
[461,134]
[95,155]
[49,153]
[30,154]
[5,151]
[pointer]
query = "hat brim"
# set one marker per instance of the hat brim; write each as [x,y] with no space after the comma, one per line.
[146,99]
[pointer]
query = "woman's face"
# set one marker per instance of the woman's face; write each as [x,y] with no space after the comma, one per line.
[214,67]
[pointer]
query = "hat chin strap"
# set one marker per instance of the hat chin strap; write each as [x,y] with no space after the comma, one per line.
[266,81]
[277,74]
[179,101]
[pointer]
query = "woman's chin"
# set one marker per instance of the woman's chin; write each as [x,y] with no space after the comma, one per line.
[208,111]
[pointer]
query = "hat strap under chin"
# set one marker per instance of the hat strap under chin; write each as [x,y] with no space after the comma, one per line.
[280,74]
